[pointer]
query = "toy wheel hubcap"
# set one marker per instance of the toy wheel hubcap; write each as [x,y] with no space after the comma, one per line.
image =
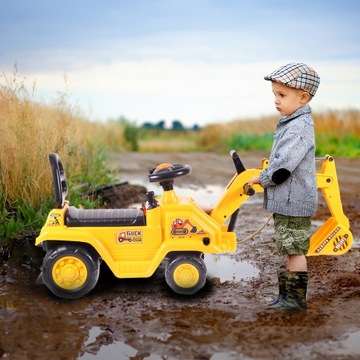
[186,275]
[69,273]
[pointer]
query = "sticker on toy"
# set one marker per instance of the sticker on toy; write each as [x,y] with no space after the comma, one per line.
[180,227]
[54,220]
[130,236]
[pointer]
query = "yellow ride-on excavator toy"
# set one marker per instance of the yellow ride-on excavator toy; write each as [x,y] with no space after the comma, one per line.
[133,242]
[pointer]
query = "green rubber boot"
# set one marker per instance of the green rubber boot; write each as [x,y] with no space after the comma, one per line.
[277,302]
[294,291]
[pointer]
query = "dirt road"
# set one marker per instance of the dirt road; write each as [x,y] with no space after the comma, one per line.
[227,319]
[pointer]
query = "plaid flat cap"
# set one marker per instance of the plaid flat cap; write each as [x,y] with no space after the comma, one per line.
[296,76]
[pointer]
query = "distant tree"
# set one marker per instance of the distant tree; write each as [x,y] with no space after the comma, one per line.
[177,125]
[147,125]
[196,127]
[160,125]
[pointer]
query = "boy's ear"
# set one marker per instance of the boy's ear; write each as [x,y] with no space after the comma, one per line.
[305,97]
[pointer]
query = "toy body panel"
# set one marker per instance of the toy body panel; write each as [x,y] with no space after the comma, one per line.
[137,251]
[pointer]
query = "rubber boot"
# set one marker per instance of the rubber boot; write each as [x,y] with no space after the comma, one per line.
[294,291]
[281,279]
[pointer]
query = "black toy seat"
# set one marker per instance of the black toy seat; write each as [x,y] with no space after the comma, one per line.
[89,217]
[104,217]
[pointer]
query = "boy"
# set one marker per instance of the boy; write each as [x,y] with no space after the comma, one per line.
[289,182]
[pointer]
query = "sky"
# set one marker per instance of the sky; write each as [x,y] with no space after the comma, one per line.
[197,61]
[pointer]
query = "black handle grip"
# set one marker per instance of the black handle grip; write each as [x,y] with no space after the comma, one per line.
[248,190]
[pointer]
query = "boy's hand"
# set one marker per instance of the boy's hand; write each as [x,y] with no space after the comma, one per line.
[254,180]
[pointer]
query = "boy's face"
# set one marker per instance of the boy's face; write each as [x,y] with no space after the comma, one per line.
[288,100]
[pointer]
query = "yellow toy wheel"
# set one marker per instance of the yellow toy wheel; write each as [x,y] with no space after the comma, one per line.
[70,271]
[186,273]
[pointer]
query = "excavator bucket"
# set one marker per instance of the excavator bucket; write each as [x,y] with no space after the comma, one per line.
[334,236]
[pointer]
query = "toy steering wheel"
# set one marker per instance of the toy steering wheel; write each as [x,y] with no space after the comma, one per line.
[168,172]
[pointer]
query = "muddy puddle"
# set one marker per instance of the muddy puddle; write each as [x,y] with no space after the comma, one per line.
[50,322]
[37,325]
[135,319]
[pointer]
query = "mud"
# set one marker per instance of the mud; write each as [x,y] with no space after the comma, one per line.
[227,319]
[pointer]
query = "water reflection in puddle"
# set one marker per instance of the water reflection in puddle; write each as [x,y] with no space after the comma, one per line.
[115,351]
[226,268]
[120,350]
[208,194]
[349,346]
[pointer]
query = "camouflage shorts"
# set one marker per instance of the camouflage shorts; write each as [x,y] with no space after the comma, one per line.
[292,234]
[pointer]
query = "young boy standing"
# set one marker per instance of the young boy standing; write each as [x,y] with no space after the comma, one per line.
[289,182]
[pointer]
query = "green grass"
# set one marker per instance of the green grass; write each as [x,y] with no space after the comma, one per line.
[251,142]
[344,146]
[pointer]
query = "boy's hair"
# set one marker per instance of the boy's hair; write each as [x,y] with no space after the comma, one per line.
[296,76]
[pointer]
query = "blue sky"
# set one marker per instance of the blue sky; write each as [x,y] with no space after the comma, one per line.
[199,61]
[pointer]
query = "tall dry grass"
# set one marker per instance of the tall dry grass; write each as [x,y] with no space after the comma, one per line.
[29,132]
[339,123]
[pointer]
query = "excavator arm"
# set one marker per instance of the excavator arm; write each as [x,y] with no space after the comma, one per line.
[236,194]
[332,238]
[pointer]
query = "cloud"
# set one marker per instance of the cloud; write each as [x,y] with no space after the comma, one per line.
[339,85]
[175,60]
[193,92]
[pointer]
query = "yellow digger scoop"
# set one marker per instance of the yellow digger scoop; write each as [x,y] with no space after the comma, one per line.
[332,238]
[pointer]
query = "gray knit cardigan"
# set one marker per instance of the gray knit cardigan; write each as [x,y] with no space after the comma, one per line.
[290,179]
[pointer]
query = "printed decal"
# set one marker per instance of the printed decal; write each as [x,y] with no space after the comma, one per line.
[54,220]
[130,236]
[182,227]
[327,239]
[341,243]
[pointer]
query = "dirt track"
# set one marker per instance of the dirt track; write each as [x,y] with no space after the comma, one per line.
[227,319]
